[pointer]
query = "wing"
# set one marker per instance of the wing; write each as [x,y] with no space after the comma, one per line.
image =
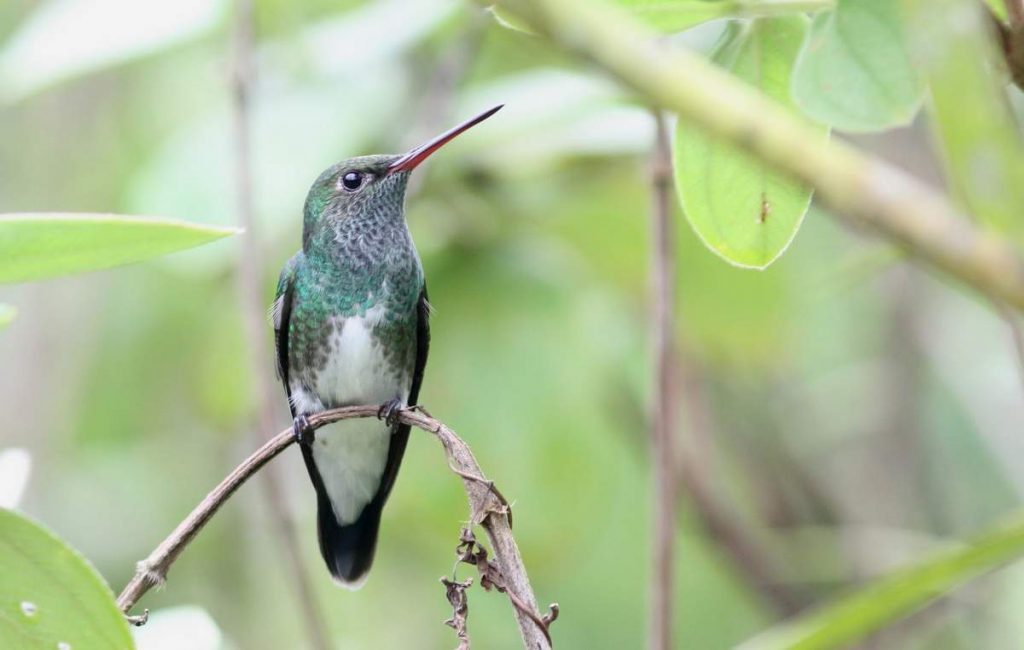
[280,315]
[422,345]
[400,437]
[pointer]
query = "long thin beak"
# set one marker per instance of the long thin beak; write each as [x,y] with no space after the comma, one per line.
[409,161]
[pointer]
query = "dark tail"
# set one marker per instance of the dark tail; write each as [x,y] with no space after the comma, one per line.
[348,550]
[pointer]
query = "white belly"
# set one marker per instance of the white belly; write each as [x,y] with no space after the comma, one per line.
[351,455]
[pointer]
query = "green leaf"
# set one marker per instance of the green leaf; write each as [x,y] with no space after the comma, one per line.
[896,595]
[34,246]
[49,594]
[971,117]
[854,71]
[670,16]
[7,314]
[742,209]
[673,16]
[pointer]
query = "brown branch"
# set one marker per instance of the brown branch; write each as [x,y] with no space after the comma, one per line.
[490,486]
[678,470]
[472,552]
[152,571]
[492,514]
[250,278]
[1010,35]
[486,510]
[1015,13]
[750,557]
[663,428]
[723,524]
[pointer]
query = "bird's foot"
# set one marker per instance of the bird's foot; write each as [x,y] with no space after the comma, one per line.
[303,430]
[390,409]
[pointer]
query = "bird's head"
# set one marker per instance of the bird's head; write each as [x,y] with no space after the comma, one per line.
[370,185]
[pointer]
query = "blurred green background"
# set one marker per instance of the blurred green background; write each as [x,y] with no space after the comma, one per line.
[851,410]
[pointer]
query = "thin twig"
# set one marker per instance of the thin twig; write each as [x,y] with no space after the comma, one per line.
[1015,335]
[663,428]
[1015,13]
[724,525]
[903,477]
[866,190]
[153,570]
[455,591]
[250,280]
[490,486]
[1010,35]
[472,552]
[486,510]
[737,540]
[751,558]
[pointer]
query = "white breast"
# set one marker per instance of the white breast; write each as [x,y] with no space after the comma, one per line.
[350,455]
[356,371]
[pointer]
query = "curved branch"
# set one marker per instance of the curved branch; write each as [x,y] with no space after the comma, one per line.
[487,509]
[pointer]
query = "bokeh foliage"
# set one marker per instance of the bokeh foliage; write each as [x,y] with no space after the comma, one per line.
[861,412]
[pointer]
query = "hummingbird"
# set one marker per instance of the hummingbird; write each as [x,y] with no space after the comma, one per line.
[350,328]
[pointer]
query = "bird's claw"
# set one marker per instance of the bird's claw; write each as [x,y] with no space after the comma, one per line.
[302,430]
[389,411]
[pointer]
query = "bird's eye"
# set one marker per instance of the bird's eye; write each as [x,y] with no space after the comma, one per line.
[352,181]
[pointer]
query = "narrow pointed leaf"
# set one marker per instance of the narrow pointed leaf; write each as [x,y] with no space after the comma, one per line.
[976,130]
[854,71]
[896,595]
[50,595]
[742,209]
[34,246]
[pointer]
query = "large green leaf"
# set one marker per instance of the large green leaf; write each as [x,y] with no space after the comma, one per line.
[669,16]
[50,596]
[977,132]
[896,595]
[739,206]
[854,71]
[34,246]
[7,314]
